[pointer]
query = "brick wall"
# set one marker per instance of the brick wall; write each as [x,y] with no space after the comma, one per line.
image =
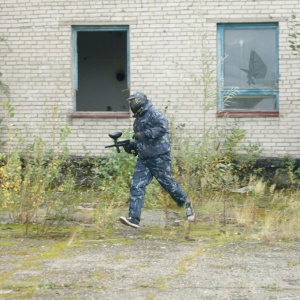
[168,42]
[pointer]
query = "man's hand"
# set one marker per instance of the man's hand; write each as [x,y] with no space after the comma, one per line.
[138,135]
[131,149]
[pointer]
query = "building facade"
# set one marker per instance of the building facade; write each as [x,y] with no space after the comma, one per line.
[205,63]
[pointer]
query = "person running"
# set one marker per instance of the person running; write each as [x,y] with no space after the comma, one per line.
[152,142]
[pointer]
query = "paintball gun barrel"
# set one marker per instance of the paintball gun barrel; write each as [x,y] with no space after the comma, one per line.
[118,144]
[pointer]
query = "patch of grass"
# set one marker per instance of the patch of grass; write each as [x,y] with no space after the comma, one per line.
[7,243]
[294,263]
[119,257]
[18,290]
[263,213]
[159,284]
[272,287]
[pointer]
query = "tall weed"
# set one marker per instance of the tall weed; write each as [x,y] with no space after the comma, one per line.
[281,221]
[35,184]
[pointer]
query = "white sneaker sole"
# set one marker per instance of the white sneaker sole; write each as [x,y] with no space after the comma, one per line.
[191,218]
[124,221]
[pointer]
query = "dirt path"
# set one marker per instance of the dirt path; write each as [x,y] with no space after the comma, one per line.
[148,263]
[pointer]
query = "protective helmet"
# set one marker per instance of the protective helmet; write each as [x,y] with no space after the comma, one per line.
[136,101]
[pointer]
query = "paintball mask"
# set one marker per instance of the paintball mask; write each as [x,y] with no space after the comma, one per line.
[136,101]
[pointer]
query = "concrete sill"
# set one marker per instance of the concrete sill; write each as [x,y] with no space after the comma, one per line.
[100,115]
[248,114]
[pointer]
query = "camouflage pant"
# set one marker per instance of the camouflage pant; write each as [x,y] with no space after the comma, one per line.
[160,168]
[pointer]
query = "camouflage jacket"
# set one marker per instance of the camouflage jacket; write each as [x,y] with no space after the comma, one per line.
[155,127]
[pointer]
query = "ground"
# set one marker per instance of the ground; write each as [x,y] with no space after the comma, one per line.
[147,263]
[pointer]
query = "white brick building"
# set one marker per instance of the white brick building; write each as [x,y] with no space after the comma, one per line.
[83,55]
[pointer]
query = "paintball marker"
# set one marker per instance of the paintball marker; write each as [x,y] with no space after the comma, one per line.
[118,144]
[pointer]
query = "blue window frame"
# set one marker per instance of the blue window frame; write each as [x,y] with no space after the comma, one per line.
[101,68]
[248,68]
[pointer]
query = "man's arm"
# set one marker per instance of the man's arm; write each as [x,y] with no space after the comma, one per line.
[160,126]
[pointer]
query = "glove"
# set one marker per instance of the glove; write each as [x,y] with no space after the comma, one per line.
[138,135]
[131,149]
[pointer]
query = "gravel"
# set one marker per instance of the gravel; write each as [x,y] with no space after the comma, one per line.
[148,263]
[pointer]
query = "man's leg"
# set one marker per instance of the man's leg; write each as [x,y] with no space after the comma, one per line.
[161,169]
[141,178]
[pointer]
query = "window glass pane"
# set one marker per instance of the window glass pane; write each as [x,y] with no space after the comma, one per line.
[254,103]
[250,57]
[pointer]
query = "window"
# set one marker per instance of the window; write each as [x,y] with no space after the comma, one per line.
[248,69]
[100,68]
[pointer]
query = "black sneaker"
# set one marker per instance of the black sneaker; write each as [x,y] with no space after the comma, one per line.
[129,222]
[189,210]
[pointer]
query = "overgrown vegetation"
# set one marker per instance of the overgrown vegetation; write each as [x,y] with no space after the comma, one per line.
[40,189]
[36,178]
[294,36]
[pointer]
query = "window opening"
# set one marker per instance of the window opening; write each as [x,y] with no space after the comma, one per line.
[101,68]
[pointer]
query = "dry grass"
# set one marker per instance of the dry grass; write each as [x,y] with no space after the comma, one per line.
[263,213]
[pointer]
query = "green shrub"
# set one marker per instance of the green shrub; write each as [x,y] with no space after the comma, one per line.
[218,160]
